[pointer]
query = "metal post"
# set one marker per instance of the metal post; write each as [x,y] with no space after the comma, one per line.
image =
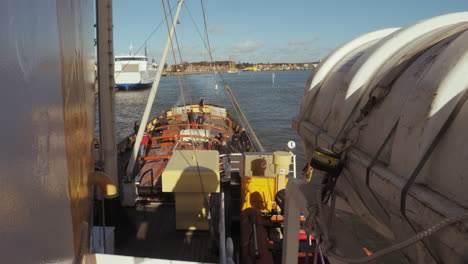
[152,95]
[291,223]
[222,233]
[106,88]
[294,164]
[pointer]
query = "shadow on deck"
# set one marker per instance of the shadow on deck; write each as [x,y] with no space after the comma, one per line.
[152,234]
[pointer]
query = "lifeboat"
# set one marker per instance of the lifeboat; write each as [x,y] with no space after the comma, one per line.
[392,105]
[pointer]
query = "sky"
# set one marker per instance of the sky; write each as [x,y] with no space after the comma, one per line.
[265,31]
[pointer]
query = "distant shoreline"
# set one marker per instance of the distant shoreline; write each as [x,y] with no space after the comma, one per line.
[198,73]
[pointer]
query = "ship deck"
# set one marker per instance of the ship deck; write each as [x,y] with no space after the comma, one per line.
[149,228]
[151,233]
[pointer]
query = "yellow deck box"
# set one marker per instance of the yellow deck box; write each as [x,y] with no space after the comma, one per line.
[192,175]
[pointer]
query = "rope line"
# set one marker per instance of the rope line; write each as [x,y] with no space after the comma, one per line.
[236,105]
[426,156]
[234,100]
[181,61]
[417,237]
[144,43]
[172,49]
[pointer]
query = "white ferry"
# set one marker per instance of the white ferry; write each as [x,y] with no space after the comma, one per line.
[133,72]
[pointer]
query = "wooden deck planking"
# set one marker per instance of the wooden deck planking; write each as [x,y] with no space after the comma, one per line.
[155,236]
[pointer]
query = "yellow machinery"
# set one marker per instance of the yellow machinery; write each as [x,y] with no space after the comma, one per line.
[192,176]
[263,175]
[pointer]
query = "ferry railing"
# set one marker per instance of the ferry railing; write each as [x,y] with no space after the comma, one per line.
[293,164]
[175,137]
[229,121]
[234,165]
[222,232]
[226,247]
[229,165]
[191,125]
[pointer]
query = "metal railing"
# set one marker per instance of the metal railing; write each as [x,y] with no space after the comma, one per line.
[230,165]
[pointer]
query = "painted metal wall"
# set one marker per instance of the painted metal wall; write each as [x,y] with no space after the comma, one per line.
[47,114]
[417,74]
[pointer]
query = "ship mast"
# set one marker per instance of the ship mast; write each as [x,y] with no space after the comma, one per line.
[152,95]
[106,88]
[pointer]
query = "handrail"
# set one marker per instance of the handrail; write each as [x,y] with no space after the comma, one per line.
[173,116]
[157,157]
[198,125]
[225,118]
[198,106]
[222,232]
[186,136]
[215,116]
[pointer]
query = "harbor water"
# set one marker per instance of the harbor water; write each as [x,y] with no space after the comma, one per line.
[268,102]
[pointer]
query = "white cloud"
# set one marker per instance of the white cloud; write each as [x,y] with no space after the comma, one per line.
[299,50]
[293,50]
[247,46]
[216,29]
[298,42]
[256,51]
[252,30]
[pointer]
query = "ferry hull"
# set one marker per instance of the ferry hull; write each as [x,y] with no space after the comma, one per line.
[132,86]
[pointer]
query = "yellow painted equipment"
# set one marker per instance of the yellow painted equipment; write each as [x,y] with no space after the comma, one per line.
[258,192]
[258,164]
[263,176]
[282,161]
[192,176]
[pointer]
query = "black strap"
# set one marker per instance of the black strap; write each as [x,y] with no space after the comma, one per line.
[376,156]
[374,160]
[443,129]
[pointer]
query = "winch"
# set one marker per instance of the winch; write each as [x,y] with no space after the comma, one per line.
[327,166]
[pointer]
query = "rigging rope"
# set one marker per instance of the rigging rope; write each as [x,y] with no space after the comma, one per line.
[181,61]
[144,43]
[236,105]
[212,63]
[218,101]
[173,52]
[417,237]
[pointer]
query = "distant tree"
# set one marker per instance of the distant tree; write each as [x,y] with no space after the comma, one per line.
[185,65]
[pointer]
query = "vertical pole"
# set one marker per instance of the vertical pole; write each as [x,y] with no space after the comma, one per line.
[222,233]
[106,87]
[294,164]
[152,95]
[291,224]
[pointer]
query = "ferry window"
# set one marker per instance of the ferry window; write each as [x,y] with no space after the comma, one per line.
[131,59]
